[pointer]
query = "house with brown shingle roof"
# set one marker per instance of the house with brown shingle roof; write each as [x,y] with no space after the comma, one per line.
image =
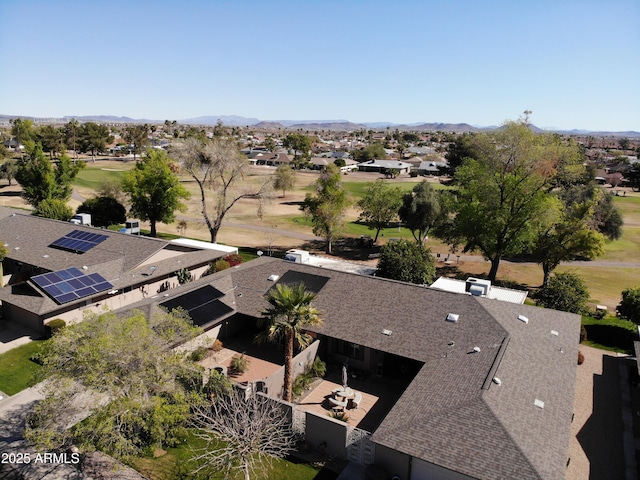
[493,394]
[57,269]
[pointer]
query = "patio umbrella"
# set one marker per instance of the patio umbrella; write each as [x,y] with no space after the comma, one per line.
[344,376]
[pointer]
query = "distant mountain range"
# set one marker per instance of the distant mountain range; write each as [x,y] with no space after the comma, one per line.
[311,125]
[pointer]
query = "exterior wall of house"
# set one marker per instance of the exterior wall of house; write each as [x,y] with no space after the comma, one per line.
[326,435]
[396,463]
[275,383]
[15,314]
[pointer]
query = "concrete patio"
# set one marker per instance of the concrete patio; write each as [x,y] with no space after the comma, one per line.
[379,394]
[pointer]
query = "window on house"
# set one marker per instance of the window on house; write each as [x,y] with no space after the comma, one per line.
[351,350]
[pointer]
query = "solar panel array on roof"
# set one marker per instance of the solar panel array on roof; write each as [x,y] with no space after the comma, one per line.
[193,299]
[79,241]
[201,304]
[313,283]
[71,284]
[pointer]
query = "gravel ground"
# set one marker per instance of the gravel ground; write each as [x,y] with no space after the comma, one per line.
[595,448]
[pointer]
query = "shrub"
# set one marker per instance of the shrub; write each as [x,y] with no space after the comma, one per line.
[566,292]
[184,276]
[339,415]
[318,368]
[199,353]
[56,324]
[239,365]
[583,334]
[580,358]
[233,259]
[216,346]
[219,265]
[629,307]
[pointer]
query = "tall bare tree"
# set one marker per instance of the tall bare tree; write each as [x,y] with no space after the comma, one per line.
[219,169]
[242,434]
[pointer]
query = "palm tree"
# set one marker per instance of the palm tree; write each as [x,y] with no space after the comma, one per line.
[287,318]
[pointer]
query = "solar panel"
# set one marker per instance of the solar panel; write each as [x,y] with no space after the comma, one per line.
[201,304]
[79,241]
[313,283]
[71,284]
[193,299]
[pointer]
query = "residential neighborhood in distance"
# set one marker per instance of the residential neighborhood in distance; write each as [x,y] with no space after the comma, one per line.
[457,378]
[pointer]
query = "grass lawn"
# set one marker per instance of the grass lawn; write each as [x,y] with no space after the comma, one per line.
[610,333]
[94,174]
[174,464]
[17,372]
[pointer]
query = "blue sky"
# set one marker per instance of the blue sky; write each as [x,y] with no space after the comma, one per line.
[574,63]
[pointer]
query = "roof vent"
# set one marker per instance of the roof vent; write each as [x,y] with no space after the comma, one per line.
[386,332]
[538,403]
[554,332]
[522,318]
[452,317]
[476,349]
[273,278]
[497,381]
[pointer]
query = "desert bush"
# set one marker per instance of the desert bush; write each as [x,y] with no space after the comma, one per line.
[239,365]
[339,415]
[580,358]
[216,346]
[318,368]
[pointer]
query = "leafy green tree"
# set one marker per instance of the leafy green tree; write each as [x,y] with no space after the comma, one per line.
[379,205]
[104,211]
[328,206]
[633,176]
[22,129]
[565,291]
[138,136]
[284,179]
[301,146]
[40,180]
[51,139]
[340,162]
[122,370]
[8,170]
[94,138]
[286,319]
[370,152]
[629,307]
[408,262]
[219,169]
[565,234]
[155,191]
[421,210]
[253,431]
[53,208]
[269,143]
[463,147]
[606,217]
[4,251]
[501,195]
[71,135]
